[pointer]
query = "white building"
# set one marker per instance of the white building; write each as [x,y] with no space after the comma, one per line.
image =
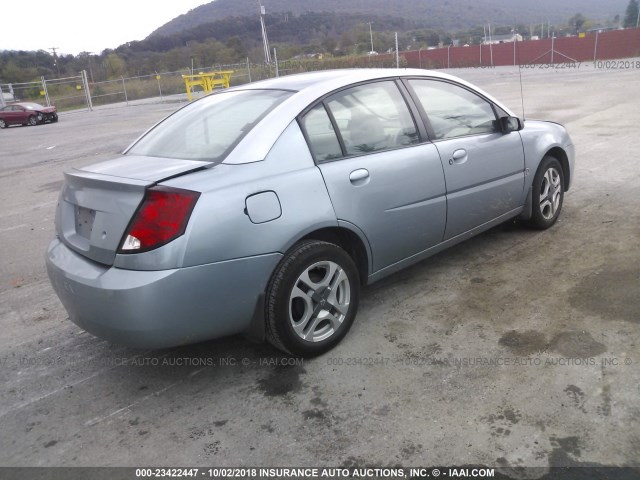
[507,38]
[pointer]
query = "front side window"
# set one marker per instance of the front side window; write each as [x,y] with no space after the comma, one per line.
[452,110]
[210,128]
[373,117]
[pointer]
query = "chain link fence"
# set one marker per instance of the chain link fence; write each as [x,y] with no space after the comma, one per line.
[77,92]
[70,93]
[21,92]
[131,90]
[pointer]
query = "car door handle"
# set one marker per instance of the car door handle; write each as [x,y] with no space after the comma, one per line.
[359,177]
[459,156]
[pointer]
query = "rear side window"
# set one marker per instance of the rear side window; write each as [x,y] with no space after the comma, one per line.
[322,138]
[210,128]
[373,117]
[452,110]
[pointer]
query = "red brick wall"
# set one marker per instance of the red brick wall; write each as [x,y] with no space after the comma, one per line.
[610,45]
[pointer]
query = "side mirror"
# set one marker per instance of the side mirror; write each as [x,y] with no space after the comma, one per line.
[510,124]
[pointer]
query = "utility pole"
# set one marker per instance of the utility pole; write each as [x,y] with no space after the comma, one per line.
[371,35]
[397,53]
[265,39]
[490,46]
[55,58]
[90,69]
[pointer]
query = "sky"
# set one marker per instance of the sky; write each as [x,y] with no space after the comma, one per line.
[82,26]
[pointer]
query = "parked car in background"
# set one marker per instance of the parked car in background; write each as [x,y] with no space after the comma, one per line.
[264,208]
[27,113]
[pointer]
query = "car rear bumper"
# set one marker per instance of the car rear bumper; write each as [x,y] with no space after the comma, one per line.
[158,309]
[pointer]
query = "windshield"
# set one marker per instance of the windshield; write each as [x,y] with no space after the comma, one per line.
[32,106]
[210,128]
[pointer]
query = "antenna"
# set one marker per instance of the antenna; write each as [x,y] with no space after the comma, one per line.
[520,74]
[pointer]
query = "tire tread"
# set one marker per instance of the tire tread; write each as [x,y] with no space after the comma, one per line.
[302,248]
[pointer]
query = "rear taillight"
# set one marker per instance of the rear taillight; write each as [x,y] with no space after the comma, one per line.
[161,218]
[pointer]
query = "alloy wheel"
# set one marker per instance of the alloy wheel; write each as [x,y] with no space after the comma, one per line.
[550,193]
[319,301]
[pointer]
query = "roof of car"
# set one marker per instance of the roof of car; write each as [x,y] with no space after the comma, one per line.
[301,81]
[28,104]
[316,84]
[308,88]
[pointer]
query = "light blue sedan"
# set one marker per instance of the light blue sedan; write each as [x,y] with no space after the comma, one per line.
[264,209]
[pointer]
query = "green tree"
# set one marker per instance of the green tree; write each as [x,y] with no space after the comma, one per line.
[631,16]
[235,44]
[11,73]
[577,21]
[329,44]
[115,65]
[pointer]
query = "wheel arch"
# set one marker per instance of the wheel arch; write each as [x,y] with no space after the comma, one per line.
[346,236]
[561,156]
[350,241]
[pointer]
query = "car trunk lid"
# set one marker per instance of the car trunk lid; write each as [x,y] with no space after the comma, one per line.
[97,202]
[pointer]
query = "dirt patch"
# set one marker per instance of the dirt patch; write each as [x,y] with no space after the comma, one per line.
[612,294]
[576,345]
[524,343]
[281,381]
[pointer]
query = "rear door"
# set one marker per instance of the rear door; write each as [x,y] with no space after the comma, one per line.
[379,175]
[484,168]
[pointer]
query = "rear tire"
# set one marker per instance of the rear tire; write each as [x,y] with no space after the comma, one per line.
[547,194]
[312,299]
[3,124]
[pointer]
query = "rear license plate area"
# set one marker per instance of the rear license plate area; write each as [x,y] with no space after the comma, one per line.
[84,221]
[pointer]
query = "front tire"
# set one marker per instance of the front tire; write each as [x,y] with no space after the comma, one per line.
[312,299]
[548,193]
[33,121]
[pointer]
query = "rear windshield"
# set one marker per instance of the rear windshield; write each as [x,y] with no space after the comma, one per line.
[210,128]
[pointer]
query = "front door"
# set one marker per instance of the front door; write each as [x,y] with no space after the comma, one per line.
[484,168]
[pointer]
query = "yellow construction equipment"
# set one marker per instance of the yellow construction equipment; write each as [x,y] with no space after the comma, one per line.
[208,81]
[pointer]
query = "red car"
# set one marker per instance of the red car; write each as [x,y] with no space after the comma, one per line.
[26,114]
